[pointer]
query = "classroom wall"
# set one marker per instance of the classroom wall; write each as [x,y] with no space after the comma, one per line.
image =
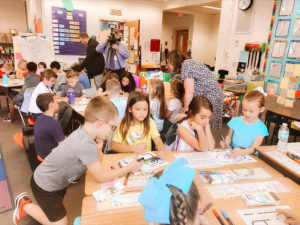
[149,13]
[12,15]
[230,43]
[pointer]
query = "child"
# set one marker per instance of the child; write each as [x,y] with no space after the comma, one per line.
[49,78]
[82,78]
[194,133]
[175,104]
[108,76]
[136,129]
[81,151]
[7,69]
[113,88]
[47,131]
[41,67]
[173,197]
[61,77]
[248,131]
[21,70]
[127,83]
[157,103]
[292,216]
[72,83]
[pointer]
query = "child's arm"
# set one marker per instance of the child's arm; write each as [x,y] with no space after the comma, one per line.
[168,114]
[248,151]
[137,148]
[228,138]
[199,144]
[160,147]
[210,139]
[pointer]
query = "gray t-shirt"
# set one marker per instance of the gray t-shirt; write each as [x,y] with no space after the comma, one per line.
[67,162]
[78,90]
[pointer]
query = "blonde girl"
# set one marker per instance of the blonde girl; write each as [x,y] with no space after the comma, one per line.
[21,69]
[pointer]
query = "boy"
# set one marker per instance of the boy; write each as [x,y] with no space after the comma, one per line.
[82,78]
[113,88]
[72,83]
[79,152]
[48,79]
[61,77]
[7,69]
[47,131]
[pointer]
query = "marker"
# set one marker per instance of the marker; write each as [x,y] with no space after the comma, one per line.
[126,179]
[112,167]
[218,217]
[293,157]
[226,217]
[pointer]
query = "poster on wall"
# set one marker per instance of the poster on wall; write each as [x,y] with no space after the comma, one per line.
[286,7]
[282,29]
[294,51]
[278,49]
[66,27]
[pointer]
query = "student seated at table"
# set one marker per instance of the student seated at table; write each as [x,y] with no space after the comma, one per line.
[127,83]
[194,133]
[7,69]
[108,76]
[47,131]
[72,84]
[175,104]
[248,131]
[81,151]
[83,77]
[172,197]
[41,67]
[292,216]
[21,69]
[30,80]
[48,80]
[61,77]
[136,130]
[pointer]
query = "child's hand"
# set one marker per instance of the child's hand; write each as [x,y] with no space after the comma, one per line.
[99,143]
[195,126]
[222,144]
[294,216]
[162,155]
[236,152]
[139,148]
[134,165]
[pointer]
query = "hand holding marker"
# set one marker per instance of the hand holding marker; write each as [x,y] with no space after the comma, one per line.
[227,217]
[128,174]
[228,152]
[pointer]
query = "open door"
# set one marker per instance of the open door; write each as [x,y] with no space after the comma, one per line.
[132,39]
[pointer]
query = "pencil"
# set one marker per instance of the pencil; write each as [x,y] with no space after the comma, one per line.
[126,179]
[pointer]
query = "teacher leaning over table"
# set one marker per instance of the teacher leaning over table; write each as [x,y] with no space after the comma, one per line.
[198,80]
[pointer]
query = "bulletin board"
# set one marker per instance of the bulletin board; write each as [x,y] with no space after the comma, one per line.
[66,27]
[282,64]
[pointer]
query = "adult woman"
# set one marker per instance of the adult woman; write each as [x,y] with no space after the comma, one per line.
[198,80]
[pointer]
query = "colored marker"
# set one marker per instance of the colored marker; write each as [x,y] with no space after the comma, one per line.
[226,217]
[126,179]
[293,157]
[218,217]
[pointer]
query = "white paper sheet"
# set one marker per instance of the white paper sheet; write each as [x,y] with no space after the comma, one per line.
[275,69]
[296,30]
[294,51]
[285,160]
[286,7]
[278,49]
[282,29]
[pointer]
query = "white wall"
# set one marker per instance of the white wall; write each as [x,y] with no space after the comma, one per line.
[12,16]
[230,43]
[149,14]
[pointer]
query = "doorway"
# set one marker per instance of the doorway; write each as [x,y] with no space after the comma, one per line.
[182,38]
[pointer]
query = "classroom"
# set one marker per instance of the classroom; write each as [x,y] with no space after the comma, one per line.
[139,112]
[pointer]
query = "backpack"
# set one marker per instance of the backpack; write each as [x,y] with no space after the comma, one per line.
[172,132]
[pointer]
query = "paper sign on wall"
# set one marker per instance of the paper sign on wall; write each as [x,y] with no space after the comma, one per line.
[284,84]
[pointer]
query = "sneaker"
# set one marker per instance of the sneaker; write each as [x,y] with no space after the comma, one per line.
[19,214]
[7,120]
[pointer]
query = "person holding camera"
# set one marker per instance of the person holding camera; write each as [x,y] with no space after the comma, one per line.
[115,53]
[94,61]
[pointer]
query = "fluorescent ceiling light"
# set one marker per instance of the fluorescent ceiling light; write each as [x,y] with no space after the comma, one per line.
[210,7]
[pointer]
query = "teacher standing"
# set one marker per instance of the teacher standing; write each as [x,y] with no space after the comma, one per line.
[198,80]
[94,61]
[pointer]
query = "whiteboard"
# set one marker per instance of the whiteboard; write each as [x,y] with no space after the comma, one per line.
[33,49]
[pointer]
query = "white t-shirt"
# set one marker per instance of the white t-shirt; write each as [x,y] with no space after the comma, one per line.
[175,107]
[40,89]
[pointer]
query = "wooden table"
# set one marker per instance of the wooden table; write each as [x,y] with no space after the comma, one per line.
[135,215]
[283,168]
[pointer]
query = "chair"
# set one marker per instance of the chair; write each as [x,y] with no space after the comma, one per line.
[25,104]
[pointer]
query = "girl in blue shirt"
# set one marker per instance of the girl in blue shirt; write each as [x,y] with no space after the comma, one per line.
[248,131]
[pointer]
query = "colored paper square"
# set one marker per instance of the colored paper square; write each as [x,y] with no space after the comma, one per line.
[154,45]
[284,83]
[297,70]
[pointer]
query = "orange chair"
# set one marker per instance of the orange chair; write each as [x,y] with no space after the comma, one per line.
[40,158]
[18,138]
[31,121]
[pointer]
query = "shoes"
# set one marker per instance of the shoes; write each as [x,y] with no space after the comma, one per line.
[19,214]
[7,120]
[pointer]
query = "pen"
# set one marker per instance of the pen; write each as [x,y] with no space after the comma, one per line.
[218,217]
[226,217]
[293,157]
[126,179]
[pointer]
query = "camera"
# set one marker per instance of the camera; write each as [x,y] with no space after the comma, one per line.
[112,38]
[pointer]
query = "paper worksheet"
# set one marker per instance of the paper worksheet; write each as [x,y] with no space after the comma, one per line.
[133,181]
[294,148]
[262,216]
[234,190]
[213,159]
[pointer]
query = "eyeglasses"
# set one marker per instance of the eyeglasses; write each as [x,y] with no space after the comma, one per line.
[112,127]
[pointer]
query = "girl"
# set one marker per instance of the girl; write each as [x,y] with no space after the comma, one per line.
[136,129]
[194,133]
[248,131]
[127,83]
[157,103]
[175,104]
[21,70]
[41,67]
[172,197]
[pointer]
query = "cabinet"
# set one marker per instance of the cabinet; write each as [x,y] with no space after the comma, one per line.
[6,53]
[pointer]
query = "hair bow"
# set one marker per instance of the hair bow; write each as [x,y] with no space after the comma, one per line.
[156,195]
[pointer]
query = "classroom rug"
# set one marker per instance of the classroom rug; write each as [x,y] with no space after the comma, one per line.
[6,201]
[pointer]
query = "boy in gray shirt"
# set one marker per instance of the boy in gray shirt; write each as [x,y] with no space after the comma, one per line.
[72,84]
[81,151]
